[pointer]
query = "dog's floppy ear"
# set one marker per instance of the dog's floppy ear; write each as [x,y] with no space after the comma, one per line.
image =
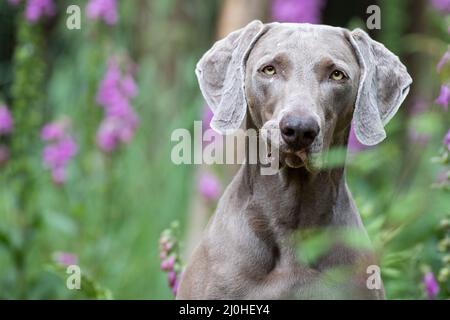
[384,84]
[221,73]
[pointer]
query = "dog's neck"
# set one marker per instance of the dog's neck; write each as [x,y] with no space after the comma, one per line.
[297,197]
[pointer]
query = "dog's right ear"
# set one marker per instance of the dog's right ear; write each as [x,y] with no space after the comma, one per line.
[221,75]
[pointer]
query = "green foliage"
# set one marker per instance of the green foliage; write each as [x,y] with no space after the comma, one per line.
[112,210]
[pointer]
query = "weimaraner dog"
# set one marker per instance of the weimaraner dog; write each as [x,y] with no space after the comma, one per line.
[310,82]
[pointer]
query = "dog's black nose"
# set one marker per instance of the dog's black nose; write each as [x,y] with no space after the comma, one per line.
[299,132]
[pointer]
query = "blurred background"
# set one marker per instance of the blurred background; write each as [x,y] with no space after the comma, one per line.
[86,117]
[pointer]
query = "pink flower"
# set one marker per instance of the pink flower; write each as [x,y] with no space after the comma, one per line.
[59,151]
[444,97]
[6,121]
[447,140]
[114,130]
[120,120]
[129,86]
[57,155]
[169,255]
[168,264]
[35,9]
[107,137]
[53,131]
[297,10]
[443,61]
[431,285]
[108,90]
[105,10]
[175,287]
[65,258]
[209,186]
[172,278]
[441,5]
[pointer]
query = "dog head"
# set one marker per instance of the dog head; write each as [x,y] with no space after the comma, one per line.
[305,83]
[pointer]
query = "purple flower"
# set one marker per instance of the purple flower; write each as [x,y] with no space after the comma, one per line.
[172,278]
[114,130]
[105,10]
[35,9]
[444,97]
[443,61]
[4,155]
[169,255]
[53,131]
[129,86]
[6,121]
[120,120]
[353,144]
[65,258]
[59,151]
[431,285]
[209,186]
[175,287]
[168,264]
[297,10]
[106,136]
[56,155]
[108,91]
[441,5]
[447,140]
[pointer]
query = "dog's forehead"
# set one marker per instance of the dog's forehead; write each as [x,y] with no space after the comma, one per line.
[306,39]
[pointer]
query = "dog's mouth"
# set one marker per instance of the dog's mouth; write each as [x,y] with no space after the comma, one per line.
[297,159]
[290,157]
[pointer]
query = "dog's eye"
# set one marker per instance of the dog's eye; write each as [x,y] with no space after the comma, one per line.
[337,75]
[269,70]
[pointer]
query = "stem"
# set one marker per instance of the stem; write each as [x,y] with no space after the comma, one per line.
[27,93]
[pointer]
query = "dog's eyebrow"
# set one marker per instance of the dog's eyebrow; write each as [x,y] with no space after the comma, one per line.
[327,63]
[279,58]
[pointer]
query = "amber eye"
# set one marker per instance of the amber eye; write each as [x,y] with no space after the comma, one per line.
[269,70]
[337,75]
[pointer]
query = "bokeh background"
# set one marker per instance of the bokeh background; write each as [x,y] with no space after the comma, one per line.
[85,123]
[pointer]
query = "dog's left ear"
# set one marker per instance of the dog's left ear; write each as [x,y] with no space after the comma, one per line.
[221,74]
[384,84]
